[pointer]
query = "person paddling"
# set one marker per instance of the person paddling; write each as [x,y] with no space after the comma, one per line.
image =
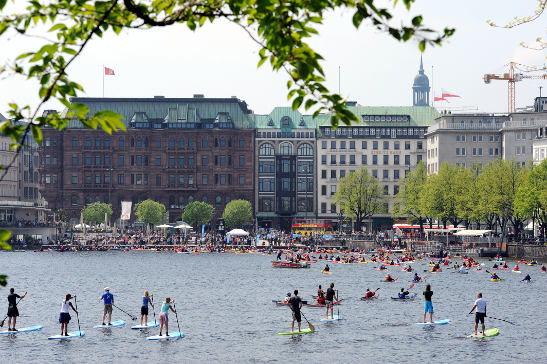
[480,305]
[64,316]
[295,304]
[329,302]
[164,315]
[108,299]
[369,293]
[428,304]
[327,268]
[417,278]
[13,312]
[543,268]
[494,276]
[320,296]
[403,293]
[389,278]
[144,308]
[527,278]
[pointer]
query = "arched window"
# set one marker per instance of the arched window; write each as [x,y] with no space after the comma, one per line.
[285,148]
[204,199]
[190,199]
[305,149]
[218,201]
[181,201]
[266,149]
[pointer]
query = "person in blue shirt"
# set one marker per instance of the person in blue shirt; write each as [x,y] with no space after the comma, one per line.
[495,276]
[416,277]
[403,293]
[527,278]
[144,308]
[108,299]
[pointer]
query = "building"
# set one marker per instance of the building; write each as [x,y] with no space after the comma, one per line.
[285,176]
[420,88]
[389,142]
[540,104]
[539,145]
[519,133]
[175,151]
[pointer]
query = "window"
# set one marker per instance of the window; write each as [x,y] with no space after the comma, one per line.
[48,160]
[266,184]
[463,138]
[74,160]
[107,142]
[107,161]
[333,173]
[396,174]
[395,189]
[419,145]
[181,142]
[158,142]
[190,180]
[97,160]
[407,145]
[463,151]
[323,159]
[418,158]
[87,160]
[97,179]
[396,145]
[74,200]
[181,179]
[120,160]
[323,144]
[204,160]
[474,138]
[74,179]
[304,167]
[181,161]
[375,145]
[480,138]
[158,179]
[374,159]
[352,159]
[332,190]
[158,160]
[138,179]
[74,142]
[323,190]
[241,160]
[222,142]
[97,142]
[332,159]
[475,151]
[266,204]
[204,142]
[343,144]
[396,160]
[285,185]
[88,179]
[285,149]
[343,159]
[139,142]
[480,151]
[266,167]
[375,173]
[364,144]
[241,179]
[190,161]
[121,142]
[172,180]
[364,159]
[121,178]
[386,190]
[305,150]
[333,144]
[190,142]
[265,149]
[342,173]
[332,208]
[407,160]
[323,207]
[386,145]
[386,159]
[242,142]
[385,174]
[352,144]
[204,179]
[88,142]
[323,173]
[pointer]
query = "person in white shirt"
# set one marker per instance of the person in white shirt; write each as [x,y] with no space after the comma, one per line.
[64,316]
[480,305]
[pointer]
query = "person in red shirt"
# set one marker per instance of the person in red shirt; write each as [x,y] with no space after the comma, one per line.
[369,293]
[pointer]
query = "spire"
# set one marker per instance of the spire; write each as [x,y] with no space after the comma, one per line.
[421,64]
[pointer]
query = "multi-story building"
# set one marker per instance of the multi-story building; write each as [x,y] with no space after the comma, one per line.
[388,142]
[519,133]
[539,145]
[285,157]
[175,151]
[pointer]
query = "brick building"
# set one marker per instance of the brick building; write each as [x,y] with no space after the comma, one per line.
[175,151]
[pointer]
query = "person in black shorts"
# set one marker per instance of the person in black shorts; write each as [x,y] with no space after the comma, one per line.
[480,305]
[295,303]
[329,302]
[13,312]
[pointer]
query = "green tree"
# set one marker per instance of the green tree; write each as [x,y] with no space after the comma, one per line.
[94,212]
[237,213]
[150,212]
[531,197]
[359,196]
[197,213]
[408,201]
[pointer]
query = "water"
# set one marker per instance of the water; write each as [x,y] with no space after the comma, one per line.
[226,313]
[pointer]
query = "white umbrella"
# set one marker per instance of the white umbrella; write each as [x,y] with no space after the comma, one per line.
[183,226]
[238,232]
[163,226]
[81,226]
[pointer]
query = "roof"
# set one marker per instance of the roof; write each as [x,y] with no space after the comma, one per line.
[419,115]
[2,118]
[194,109]
[274,119]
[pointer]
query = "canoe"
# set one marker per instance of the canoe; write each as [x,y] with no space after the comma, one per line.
[283,303]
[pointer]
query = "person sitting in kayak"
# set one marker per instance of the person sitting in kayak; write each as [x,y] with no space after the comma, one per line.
[527,278]
[534,262]
[543,268]
[287,298]
[369,293]
[279,255]
[495,266]
[462,269]
[327,268]
[320,296]
[403,293]
[389,278]
[382,267]
[417,278]
[494,276]
[409,269]
[505,266]
[516,268]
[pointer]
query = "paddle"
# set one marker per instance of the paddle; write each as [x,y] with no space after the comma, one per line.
[2,323]
[154,312]
[128,314]
[312,328]
[495,318]
[77,316]
[176,315]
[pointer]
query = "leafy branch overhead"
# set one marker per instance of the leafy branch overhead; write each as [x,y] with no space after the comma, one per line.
[281,28]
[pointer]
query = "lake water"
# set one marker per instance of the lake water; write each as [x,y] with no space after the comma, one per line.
[226,311]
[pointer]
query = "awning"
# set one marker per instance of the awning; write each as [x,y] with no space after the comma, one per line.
[473,232]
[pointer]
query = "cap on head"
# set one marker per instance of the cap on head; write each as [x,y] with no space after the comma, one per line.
[106,289]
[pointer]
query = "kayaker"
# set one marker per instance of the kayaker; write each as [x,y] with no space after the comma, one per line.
[287,297]
[64,316]
[527,278]
[108,299]
[428,304]
[144,308]
[164,315]
[389,278]
[329,301]
[327,268]
[495,276]
[480,305]
[13,312]
[417,278]
[505,266]
[495,266]
[295,303]
[543,268]
[462,269]
[369,293]
[382,267]
[516,268]
[320,296]
[279,255]
[403,293]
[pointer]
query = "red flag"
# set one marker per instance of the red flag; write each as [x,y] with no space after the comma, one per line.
[446,94]
[109,71]
[439,99]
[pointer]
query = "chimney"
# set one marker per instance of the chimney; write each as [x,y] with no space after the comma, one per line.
[199,96]
[159,97]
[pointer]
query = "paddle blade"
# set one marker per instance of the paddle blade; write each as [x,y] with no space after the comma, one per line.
[411,286]
[312,328]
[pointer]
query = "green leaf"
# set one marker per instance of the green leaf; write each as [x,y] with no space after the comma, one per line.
[4,236]
[3,3]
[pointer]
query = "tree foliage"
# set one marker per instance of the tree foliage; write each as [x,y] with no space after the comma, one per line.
[531,197]
[150,212]
[197,213]
[94,212]
[407,201]
[359,195]
[237,213]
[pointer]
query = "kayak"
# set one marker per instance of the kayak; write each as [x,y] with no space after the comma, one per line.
[369,298]
[143,327]
[435,271]
[393,280]
[323,305]
[285,303]
[409,297]
[334,318]
[487,333]
[304,331]
[495,279]
[173,335]
[326,272]
[504,268]
[440,322]
[22,330]
[463,272]
[516,271]
[118,323]
[71,335]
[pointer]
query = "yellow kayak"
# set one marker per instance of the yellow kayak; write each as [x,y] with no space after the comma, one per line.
[326,272]
[494,279]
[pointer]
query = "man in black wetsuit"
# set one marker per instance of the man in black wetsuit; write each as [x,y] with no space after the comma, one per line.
[329,302]
[13,312]
[295,303]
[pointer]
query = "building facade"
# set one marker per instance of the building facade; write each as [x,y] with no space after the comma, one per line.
[175,151]
[519,133]
[285,157]
[539,145]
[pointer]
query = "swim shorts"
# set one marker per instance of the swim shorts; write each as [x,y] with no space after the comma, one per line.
[428,306]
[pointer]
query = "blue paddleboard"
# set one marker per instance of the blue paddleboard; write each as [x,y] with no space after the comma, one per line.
[24,329]
[143,327]
[71,335]
[171,336]
[440,322]
[334,318]
[118,323]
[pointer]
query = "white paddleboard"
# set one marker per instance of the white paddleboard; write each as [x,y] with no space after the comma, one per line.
[71,335]
[143,327]
[334,318]
[171,336]
[440,322]
[118,323]
[21,330]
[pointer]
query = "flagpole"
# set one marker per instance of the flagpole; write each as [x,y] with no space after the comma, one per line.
[432,86]
[102,71]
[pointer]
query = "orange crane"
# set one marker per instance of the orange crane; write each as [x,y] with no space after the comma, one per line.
[511,78]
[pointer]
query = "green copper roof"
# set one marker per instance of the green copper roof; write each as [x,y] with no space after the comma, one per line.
[419,115]
[197,109]
[274,120]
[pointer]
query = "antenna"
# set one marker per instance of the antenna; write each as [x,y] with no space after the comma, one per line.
[432,86]
[338,80]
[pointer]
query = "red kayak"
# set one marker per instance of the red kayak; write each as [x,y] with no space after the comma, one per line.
[323,305]
[393,280]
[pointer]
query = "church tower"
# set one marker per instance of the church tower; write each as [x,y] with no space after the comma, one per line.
[420,89]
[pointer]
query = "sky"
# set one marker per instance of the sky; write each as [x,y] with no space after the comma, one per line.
[220,60]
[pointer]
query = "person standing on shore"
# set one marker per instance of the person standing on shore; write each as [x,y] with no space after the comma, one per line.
[295,303]
[13,312]
[164,315]
[64,316]
[480,305]
[108,299]
[329,302]
[428,304]
[144,308]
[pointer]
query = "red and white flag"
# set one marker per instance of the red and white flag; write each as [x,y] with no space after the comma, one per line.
[447,94]
[109,71]
[439,99]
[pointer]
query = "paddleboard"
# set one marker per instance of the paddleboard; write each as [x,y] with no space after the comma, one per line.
[143,327]
[334,318]
[440,322]
[71,335]
[516,271]
[487,333]
[118,323]
[304,331]
[21,330]
[173,335]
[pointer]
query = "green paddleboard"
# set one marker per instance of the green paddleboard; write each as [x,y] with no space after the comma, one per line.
[304,331]
[487,333]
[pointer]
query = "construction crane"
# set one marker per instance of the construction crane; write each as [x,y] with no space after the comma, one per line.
[511,78]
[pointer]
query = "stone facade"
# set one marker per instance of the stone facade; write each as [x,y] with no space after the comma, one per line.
[519,133]
[539,145]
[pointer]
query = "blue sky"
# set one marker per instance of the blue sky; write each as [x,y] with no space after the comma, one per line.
[220,60]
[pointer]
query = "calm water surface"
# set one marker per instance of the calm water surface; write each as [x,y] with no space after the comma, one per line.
[226,313]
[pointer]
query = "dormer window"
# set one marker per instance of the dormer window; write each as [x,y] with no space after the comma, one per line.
[270,122]
[285,121]
[302,123]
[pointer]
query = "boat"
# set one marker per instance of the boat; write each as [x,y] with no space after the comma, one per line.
[288,264]
[409,297]
[323,305]
[370,298]
[495,279]
[285,303]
